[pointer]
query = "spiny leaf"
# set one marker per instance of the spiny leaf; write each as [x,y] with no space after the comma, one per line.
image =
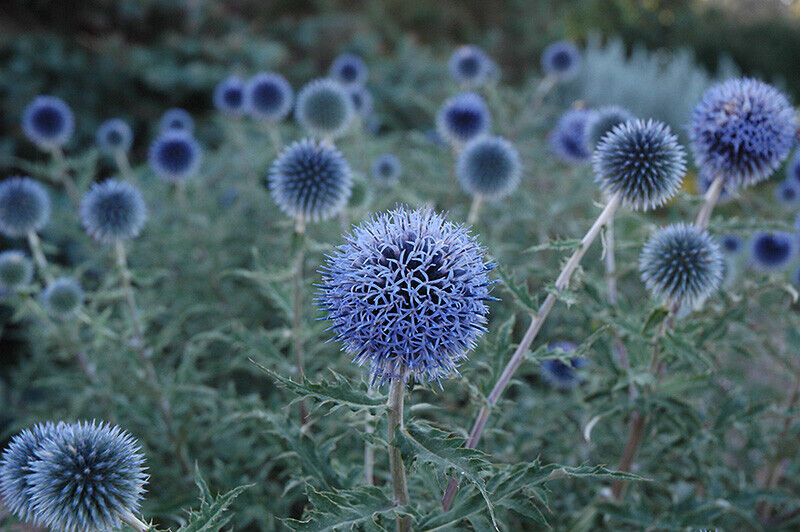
[345,510]
[519,292]
[447,452]
[340,391]
[210,517]
[590,471]
[556,245]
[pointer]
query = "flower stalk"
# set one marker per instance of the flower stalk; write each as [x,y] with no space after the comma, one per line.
[397,388]
[297,308]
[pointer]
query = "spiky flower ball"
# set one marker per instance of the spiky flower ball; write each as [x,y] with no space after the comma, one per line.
[310,180]
[462,118]
[470,66]
[349,69]
[643,161]
[563,375]
[730,244]
[742,129]
[16,270]
[63,298]
[773,251]
[175,156]
[603,121]
[85,477]
[24,206]
[229,96]
[488,167]
[269,97]
[787,193]
[114,136]
[176,119]
[568,138]
[386,169]
[48,122]
[406,294]
[363,104]
[681,264]
[561,60]
[112,211]
[793,169]
[15,468]
[324,108]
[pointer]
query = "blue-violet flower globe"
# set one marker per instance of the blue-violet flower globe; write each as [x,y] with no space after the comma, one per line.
[24,206]
[470,66]
[16,270]
[489,167]
[48,122]
[463,118]
[324,108]
[603,121]
[112,211]
[349,69]
[176,119]
[63,298]
[269,97]
[787,193]
[793,168]
[568,138]
[642,161]
[114,136]
[363,102]
[559,374]
[175,156]
[730,244]
[406,294]
[386,169]
[229,96]
[561,60]
[773,251]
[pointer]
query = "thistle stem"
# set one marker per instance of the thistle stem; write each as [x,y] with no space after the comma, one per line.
[124,165]
[542,90]
[530,335]
[297,310]
[275,136]
[369,450]
[474,209]
[63,175]
[711,198]
[397,388]
[618,347]
[38,256]
[134,522]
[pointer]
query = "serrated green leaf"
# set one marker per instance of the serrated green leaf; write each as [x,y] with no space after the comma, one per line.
[520,293]
[556,245]
[210,517]
[345,510]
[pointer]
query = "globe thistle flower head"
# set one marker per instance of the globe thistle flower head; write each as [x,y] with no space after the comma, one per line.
[363,103]
[24,206]
[730,244]
[568,138]
[349,69]
[229,96]
[175,156]
[560,374]
[324,108]
[48,122]
[15,468]
[386,169]
[176,119]
[269,97]
[793,169]
[603,121]
[16,270]
[742,129]
[561,60]
[85,476]
[406,294]
[681,264]
[643,161]
[112,211]
[63,298]
[773,251]
[310,180]
[463,118]
[489,167]
[470,66]
[114,136]
[787,193]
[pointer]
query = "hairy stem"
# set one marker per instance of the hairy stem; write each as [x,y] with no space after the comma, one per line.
[297,309]
[474,209]
[542,90]
[711,199]
[124,165]
[397,389]
[62,174]
[369,450]
[134,522]
[38,256]
[530,335]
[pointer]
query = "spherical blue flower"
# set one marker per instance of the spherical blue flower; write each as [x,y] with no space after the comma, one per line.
[362,100]
[175,155]
[16,270]
[681,264]
[176,119]
[730,244]
[310,180]
[561,60]
[386,169]
[85,477]
[488,167]
[568,138]
[349,69]
[603,121]
[112,211]
[787,192]
[406,294]
[773,251]
[48,122]
[63,298]
[324,108]
[643,161]
[463,117]
[562,375]
[114,136]
[24,206]
[470,66]
[269,97]
[15,468]
[742,129]
[793,169]
[229,96]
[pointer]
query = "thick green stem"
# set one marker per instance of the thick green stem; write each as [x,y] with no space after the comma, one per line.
[369,449]
[397,389]
[38,257]
[297,310]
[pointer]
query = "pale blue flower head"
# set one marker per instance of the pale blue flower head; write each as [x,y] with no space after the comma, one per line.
[560,374]
[470,66]
[603,121]
[229,96]
[324,108]
[63,298]
[562,60]
[114,136]
[269,97]
[16,270]
[175,156]
[463,118]
[568,138]
[24,206]
[113,211]
[489,167]
[349,69]
[771,251]
[386,169]
[176,119]
[48,122]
